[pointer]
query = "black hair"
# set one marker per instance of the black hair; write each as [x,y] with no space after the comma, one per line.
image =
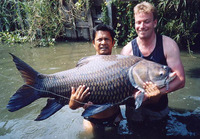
[103,27]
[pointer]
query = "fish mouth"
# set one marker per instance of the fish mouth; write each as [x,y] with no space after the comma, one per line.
[171,76]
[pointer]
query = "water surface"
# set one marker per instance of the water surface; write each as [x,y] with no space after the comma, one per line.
[184,117]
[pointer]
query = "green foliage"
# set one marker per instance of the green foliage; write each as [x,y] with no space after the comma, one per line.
[181,23]
[13,15]
[124,21]
[45,20]
[30,21]
[13,23]
[41,21]
[177,19]
[12,37]
[105,18]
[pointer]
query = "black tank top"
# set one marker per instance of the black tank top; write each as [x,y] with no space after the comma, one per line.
[156,56]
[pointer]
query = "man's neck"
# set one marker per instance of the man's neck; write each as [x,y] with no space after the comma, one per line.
[147,45]
[147,42]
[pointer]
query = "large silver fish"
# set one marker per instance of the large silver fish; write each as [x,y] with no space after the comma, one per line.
[111,79]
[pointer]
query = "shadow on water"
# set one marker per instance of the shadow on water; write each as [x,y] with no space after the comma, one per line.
[179,124]
[194,73]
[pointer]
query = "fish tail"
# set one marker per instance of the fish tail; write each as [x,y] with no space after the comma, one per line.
[25,94]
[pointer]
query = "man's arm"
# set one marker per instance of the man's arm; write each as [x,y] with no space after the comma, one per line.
[172,54]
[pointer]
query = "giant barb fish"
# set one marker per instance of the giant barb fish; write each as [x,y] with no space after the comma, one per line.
[112,79]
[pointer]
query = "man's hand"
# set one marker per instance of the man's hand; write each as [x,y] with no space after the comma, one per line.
[88,105]
[78,96]
[152,94]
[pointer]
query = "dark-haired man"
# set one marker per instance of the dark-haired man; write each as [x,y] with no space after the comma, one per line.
[103,42]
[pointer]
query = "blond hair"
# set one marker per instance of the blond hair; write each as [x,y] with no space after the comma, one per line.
[145,7]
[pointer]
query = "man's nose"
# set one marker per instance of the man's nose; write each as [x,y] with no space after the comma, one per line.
[142,24]
[103,41]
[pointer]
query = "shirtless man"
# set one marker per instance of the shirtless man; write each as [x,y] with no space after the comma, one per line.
[103,42]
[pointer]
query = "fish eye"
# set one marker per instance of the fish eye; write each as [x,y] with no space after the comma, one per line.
[165,67]
[161,74]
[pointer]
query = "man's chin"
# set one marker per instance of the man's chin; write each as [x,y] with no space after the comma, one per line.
[104,52]
[142,36]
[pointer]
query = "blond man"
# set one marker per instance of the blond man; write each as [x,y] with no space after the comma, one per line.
[157,48]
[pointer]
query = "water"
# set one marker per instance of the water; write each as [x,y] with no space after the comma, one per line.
[184,116]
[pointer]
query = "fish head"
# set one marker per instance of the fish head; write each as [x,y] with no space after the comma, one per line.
[145,70]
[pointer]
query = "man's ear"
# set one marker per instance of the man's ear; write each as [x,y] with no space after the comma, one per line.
[155,23]
[113,43]
[93,43]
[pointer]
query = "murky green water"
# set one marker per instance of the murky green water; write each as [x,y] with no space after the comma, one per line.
[185,103]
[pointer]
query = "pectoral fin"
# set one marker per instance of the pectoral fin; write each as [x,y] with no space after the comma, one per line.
[136,82]
[139,100]
[95,109]
[52,107]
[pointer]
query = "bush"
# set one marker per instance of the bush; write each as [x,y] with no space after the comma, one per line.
[41,21]
[177,19]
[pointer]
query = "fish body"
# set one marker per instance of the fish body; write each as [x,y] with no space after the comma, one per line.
[111,79]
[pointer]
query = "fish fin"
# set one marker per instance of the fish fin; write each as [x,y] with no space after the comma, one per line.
[23,97]
[52,107]
[140,96]
[95,109]
[139,100]
[82,61]
[86,60]
[25,94]
[27,72]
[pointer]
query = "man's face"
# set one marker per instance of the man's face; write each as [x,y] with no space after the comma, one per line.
[145,25]
[103,43]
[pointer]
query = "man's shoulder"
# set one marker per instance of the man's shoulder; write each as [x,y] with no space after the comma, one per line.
[129,44]
[167,39]
[169,45]
[169,42]
[127,49]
